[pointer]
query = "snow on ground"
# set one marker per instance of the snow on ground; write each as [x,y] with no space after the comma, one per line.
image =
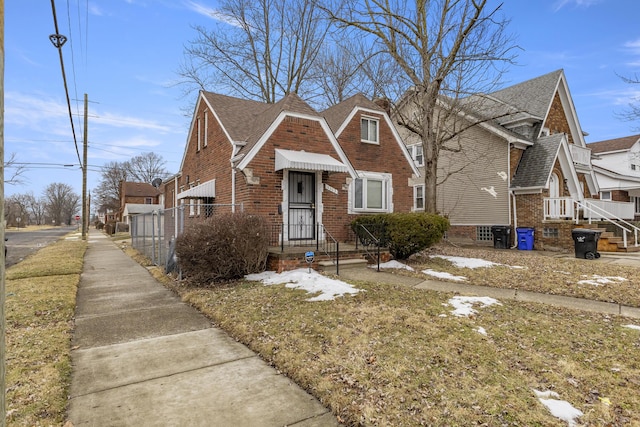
[463,262]
[632,327]
[444,275]
[482,331]
[312,282]
[559,408]
[596,280]
[393,264]
[464,305]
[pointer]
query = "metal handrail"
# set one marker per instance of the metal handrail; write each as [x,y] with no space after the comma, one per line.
[325,246]
[367,239]
[608,216]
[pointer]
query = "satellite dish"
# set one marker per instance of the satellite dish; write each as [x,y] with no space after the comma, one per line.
[156,182]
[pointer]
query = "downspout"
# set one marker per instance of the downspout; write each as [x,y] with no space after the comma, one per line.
[175,207]
[515,219]
[233,188]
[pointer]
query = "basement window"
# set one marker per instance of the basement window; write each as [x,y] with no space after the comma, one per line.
[484,234]
[550,232]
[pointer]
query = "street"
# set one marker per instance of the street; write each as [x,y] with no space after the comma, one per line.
[23,243]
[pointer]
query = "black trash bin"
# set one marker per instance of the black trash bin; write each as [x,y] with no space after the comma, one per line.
[586,243]
[501,236]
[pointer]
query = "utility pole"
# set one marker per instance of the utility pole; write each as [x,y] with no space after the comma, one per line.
[3,322]
[85,219]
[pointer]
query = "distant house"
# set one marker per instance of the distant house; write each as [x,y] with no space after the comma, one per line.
[523,162]
[309,173]
[137,198]
[617,167]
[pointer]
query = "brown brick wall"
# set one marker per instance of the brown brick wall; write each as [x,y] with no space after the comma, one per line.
[556,120]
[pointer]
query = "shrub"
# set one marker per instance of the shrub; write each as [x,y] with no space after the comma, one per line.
[224,247]
[404,233]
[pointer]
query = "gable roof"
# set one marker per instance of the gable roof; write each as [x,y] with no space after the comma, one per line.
[337,114]
[139,189]
[533,96]
[246,121]
[537,162]
[613,145]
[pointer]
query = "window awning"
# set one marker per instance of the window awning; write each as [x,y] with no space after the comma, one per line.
[302,160]
[206,189]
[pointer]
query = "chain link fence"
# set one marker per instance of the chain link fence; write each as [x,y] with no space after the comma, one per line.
[153,234]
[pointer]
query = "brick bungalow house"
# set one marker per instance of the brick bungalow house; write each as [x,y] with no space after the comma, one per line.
[309,173]
[137,198]
[617,166]
[524,163]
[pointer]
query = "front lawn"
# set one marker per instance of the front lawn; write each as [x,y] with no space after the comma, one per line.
[395,355]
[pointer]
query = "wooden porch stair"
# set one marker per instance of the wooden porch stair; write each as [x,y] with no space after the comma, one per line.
[609,242]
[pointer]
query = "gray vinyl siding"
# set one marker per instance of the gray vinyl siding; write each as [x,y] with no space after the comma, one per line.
[467,196]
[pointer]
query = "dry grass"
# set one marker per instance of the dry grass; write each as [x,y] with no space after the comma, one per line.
[40,303]
[542,272]
[395,355]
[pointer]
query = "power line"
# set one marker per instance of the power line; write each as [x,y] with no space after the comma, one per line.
[58,41]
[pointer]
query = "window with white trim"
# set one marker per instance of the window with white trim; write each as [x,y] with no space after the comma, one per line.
[206,128]
[605,195]
[369,130]
[636,204]
[417,154]
[418,197]
[371,193]
[199,132]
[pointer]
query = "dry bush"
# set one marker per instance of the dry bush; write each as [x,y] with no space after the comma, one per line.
[223,248]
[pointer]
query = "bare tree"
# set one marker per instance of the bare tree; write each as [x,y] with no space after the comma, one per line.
[146,167]
[18,169]
[61,202]
[259,49]
[108,191]
[632,114]
[36,208]
[446,50]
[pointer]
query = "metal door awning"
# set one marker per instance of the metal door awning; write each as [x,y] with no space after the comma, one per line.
[206,189]
[302,160]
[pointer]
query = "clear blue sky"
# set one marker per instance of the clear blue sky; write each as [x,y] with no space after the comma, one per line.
[124,54]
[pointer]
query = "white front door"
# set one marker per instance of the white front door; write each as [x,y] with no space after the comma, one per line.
[554,195]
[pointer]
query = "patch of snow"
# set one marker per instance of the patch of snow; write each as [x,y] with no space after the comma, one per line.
[559,408]
[503,175]
[597,280]
[464,262]
[394,264]
[482,331]
[444,275]
[632,327]
[312,282]
[464,305]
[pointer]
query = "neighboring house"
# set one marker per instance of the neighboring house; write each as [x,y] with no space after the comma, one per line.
[136,198]
[308,173]
[617,167]
[524,163]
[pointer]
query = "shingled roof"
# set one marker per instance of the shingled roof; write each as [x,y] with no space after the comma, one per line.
[337,114]
[246,120]
[611,145]
[532,97]
[537,161]
[139,189]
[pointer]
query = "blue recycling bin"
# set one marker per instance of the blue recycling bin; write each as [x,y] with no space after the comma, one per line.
[525,238]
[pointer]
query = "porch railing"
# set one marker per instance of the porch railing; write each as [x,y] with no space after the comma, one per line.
[580,155]
[595,210]
[559,207]
[369,242]
[306,235]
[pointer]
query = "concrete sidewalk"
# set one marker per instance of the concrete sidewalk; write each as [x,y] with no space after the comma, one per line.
[143,358]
